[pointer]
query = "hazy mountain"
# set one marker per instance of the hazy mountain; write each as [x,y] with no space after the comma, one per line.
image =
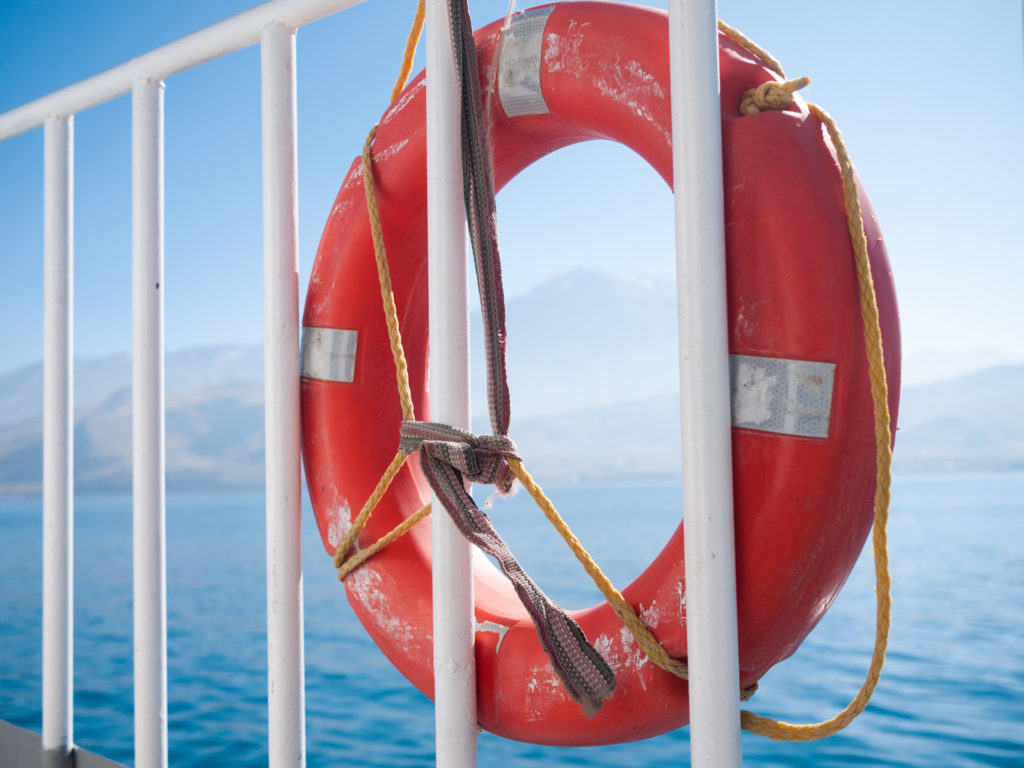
[592,368]
[583,340]
[928,366]
[636,440]
[21,391]
[214,440]
[214,422]
[972,422]
[969,422]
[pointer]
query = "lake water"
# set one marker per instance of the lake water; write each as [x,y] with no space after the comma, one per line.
[952,693]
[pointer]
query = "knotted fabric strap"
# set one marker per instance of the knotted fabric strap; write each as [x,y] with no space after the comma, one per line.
[481,214]
[479,459]
[449,457]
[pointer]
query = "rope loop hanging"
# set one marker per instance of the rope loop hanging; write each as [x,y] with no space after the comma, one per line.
[779,96]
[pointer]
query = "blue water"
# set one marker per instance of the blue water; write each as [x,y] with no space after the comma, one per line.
[952,693]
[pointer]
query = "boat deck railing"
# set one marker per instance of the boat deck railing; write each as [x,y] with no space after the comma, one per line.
[704,378]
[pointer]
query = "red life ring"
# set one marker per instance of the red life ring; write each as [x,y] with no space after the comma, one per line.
[803,443]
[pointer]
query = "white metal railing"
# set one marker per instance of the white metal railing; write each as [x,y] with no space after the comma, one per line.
[285,666]
[149,560]
[448,365]
[272,25]
[711,626]
[703,367]
[58,425]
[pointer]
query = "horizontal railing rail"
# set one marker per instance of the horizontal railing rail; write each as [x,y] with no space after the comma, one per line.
[228,36]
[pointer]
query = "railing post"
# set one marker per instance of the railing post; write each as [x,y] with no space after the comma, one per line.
[704,385]
[285,663]
[149,553]
[58,439]
[454,662]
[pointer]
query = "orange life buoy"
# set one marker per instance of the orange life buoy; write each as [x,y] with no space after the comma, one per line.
[803,441]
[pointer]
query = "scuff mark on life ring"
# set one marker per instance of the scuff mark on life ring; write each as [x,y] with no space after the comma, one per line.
[492,626]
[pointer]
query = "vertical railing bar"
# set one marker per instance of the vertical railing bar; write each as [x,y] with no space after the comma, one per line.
[58,441]
[285,664]
[454,662]
[704,385]
[149,564]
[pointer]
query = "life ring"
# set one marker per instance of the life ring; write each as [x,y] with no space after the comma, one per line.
[803,442]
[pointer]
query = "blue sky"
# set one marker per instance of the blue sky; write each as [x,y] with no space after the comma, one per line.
[928,95]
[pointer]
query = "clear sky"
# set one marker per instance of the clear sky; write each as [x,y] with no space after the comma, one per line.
[929,94]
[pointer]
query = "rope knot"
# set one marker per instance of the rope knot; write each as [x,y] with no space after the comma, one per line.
[772,95]
[478,458]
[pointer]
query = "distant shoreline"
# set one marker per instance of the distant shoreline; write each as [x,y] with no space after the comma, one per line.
[33,491]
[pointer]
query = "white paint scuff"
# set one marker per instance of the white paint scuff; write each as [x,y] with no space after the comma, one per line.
[650,616]
[541,685]
[403,100]
[339,521]
[625,82]
[492,626]
[365,584]
[388,152]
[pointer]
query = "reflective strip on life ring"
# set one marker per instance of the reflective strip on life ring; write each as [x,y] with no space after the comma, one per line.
[803,442]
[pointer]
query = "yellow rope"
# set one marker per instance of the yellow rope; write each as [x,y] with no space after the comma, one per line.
[736,36]
[647,642]
[778,96]
[387,294]
[364,514]
[394,332]
[768,96]
[410,49]
[776,729]
[347,566]
[771,95]
[380,254]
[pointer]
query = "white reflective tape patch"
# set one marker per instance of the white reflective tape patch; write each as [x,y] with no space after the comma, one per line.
[329,354]
[790,397]
[519,64]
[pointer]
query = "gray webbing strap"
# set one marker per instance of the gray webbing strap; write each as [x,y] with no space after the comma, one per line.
[481,214]
[450,457]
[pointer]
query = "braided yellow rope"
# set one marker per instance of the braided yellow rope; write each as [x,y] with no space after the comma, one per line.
[883,440]
[347,566]
[364,514]
[776,729]
[768,96]
[394,332]
[410,49]
[771,95]
[379,252]
[387,294]
[779,95]
[736,36]
[647,642]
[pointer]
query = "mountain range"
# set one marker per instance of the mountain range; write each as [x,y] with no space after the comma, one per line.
[593,376]
[214,422]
